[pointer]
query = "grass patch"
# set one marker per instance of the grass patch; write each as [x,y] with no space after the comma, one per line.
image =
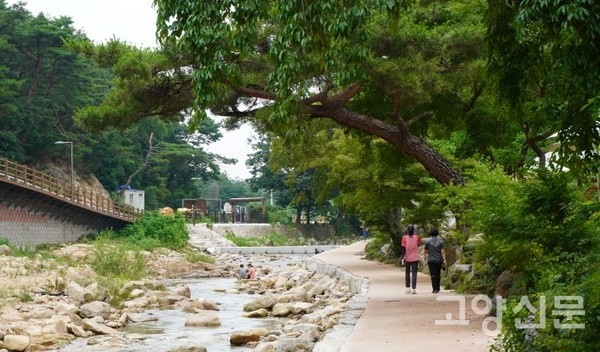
[113,286]
[115,258]
[25,296]
[195,257]
[276,240]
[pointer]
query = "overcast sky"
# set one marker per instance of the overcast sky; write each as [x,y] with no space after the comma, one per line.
[133,21]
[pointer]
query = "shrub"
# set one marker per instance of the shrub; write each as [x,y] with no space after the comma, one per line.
[195,257]
[114,258]
[153,228]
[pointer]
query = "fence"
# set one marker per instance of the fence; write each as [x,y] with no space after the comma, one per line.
[26,177]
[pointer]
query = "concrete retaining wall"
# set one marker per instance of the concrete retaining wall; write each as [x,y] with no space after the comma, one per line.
[24,227]
[334,340]
[357,285]
[28,219]
[34,234]
[272,250]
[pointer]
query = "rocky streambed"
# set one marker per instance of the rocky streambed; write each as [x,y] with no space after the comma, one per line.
[181,307]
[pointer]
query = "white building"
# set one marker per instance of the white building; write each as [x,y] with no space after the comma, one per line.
[134,197]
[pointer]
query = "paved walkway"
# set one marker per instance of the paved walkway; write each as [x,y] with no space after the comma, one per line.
[396,321]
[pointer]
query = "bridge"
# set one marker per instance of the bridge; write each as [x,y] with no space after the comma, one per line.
[37,208]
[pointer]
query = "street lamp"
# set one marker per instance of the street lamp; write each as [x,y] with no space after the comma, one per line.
[71,143]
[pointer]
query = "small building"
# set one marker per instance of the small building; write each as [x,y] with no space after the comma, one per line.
[134,197]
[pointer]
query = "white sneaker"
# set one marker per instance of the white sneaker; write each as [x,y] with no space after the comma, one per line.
[408,290]
[414,292]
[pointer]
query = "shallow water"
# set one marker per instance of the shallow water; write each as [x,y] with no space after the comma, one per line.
[169,330]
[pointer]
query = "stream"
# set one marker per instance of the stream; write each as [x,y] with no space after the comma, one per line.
[168,330]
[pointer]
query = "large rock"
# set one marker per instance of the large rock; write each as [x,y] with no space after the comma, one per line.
[78,293]
[204,318]
[300,307]
[64,308]
[99,329]
[199,305]
[260,313]
[288,344]
[242,338]
[281,282]
[141,302]
[181,290]
[281,310]
[75,251]
[16,342]
[266,302]
[78,331]
[296,294]
[136,292]
[54,327]
[95,309]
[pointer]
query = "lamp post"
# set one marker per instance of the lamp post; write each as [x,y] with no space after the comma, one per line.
[70,143]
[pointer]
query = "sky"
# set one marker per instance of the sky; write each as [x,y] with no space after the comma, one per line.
[133,21]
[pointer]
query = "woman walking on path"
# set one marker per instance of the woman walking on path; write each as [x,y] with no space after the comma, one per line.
[410,248]
[435,256]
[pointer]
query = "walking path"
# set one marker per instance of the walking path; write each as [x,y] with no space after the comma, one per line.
[396,321]
[388,319]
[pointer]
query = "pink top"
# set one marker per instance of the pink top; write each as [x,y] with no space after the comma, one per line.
[252,273]
[411,244]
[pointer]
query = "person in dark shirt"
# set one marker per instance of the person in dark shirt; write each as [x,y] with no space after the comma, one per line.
[242,273]
[435,256]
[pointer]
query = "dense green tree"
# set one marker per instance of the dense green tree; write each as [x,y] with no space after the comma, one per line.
[374,66]
[544,59]
[42,83]
[264,177]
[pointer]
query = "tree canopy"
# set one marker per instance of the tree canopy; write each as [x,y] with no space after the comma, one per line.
[544,60]
[45,84]
[375,66]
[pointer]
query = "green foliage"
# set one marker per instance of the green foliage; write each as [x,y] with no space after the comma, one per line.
[279,216]
[544,65]
[114,258]
[376,242]
[41,84]
[544,220]
[270,240]
[195,257]
[277,239]
[25,296]
[153,229]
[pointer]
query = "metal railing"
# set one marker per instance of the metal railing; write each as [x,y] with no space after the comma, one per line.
[30,178]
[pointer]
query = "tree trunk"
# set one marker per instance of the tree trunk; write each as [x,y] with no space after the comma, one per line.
[298,215]
[322,105]
[399,136]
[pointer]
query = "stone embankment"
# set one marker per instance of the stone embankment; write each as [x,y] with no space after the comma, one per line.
[46,303]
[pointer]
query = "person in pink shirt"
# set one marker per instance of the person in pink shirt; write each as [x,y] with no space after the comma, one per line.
[251,272]
[410,250]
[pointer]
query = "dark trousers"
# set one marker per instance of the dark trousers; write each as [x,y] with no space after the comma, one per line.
[411,268]
[435,270]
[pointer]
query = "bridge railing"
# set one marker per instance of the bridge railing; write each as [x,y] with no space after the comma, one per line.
[33,179]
